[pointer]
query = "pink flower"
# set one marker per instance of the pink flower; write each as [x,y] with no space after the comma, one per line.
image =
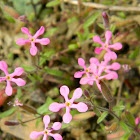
[33,39]
[47,132]
[81,107]
[17,103]
[137,121]
[106,46]
[10,77]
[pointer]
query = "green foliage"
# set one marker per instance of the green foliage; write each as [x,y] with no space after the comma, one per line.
[73,46]
[118,108]
[134,53]
[27,68]
[7,113]
[91,20]
[53,3]
[102,117]
[44,109]
[124,126]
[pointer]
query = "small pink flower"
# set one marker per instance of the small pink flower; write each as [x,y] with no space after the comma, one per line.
[106,46]
[47,132]
[81,107]
[137,121]
[126,67]
[10,77]
[33,39]
[17,103]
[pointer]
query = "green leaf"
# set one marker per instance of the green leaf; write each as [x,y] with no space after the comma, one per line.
[54,72]
[101,25]
[73,46]
[7,113]
[27,68]
[91,20]
[124,126]
[65,125]
[130,118]
[134,53]
[38,121]
[51,32]
[102,117]
[126,136]
[119,107]
[53,3]
[113,27]
[45,107]
[97,112]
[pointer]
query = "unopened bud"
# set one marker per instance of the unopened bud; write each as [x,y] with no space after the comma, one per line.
[23,18]
[105,20]
[86,93]
[126,67]
[11,123]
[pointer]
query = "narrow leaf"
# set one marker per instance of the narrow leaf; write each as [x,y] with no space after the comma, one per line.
[102,117]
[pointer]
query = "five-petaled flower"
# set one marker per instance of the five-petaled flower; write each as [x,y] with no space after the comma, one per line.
[47,132]
[11,77]
[33,39]
[106,46]
[69,103]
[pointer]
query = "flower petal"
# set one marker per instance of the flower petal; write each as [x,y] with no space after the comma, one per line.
[56,126]
[64,91]
[116,46]
[26,31]
[110,55]
[3,67]
[98,50]
[22,41]
[55,107]
[77,94]
[115,66]
[18,81]
[67,117]
[43,41]
[81,62]
[108,35]
[17,72]
[33,49]
[94,60]
[45,137]
[85,80]
[35,134]
[97,39]
[8,89]
[39,32]
[46,120]
[79,74]
[137,120]
[81,107]
[56,136]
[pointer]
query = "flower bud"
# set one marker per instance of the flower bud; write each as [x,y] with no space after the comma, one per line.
[105,20]
[11,123]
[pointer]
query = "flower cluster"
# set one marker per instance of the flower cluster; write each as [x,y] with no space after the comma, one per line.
[100,70]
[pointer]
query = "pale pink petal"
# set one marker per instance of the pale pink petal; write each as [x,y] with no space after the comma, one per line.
[2,79]
[39,32]
[79,74]
[18,81]
[67,117]
[85,80]
[108,35]
[64,91]
[114,66]
[8,89]
[26,31]
[90,82]
[137,120]
[45,137]
[77,94]
[35,134]
[43,41]
[81,107]
[116,46]
[46,120]
[110,55]
[98,85]
[81,62]
[56,136]
[93,68]
[3,67]
[17,72]
[97,39]
[56,126]
[22,41]
[94,60]
[109,76]
[98,50]
[33,49]
[55,107]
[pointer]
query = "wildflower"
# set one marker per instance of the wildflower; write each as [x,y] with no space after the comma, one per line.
[69,103]
[137,121]
[47,132]
[126,67]
[106,46]
[33,39]
[17,103]
[10,77]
